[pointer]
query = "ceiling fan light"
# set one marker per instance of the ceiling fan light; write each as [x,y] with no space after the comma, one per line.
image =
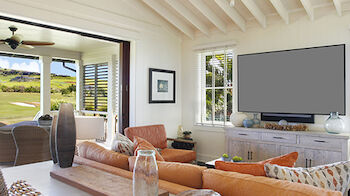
[232,3]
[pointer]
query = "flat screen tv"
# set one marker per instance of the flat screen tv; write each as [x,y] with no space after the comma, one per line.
[298,81]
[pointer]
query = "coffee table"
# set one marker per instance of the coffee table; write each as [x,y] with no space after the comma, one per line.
[211,164]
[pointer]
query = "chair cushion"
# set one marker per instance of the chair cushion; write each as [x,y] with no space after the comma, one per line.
[97,153]
[177,155]
[333,176]
[142,144]
[257,169]
[154,134]
[232,184]
[180,173]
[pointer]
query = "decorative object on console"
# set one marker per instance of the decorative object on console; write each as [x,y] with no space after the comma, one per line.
[123,144]
[180,131]
[257,169]
[237,159]
[334,124]
[248,123]
[3,188]
[237,119]
[275,126]
[145,174]
[65,136]
[45,120]
[283,122]
[256,121]
[161,86]
[335,176]
[225,157]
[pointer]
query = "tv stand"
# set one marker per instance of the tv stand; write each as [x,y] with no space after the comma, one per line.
[314,148]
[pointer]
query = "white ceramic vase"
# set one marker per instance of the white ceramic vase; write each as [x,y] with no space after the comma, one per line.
[237,119]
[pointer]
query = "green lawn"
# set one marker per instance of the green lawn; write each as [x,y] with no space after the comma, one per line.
[10,113]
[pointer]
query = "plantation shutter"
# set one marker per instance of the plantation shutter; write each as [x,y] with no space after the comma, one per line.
[95,87]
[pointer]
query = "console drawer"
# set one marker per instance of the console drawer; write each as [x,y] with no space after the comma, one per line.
[245,135]
[277,137]
[321,142]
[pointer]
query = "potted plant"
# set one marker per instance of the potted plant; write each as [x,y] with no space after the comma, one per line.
[225,157]
[187,134]
[45,120]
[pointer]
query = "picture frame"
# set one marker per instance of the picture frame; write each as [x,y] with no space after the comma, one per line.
[162,86]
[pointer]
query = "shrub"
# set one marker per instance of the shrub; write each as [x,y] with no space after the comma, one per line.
[65,91]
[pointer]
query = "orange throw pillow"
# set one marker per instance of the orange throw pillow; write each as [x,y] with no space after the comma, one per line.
[257,169]
[142,144]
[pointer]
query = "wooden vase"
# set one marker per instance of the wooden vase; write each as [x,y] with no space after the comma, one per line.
[65,136]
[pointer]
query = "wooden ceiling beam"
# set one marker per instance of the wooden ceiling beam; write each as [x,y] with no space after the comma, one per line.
[338,7]
[167,15]
[190,16]
[232,13]
[255,10]
[207,12]
[282,11]
[308,8]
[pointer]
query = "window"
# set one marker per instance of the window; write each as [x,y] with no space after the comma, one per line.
[95,87]
[216,87]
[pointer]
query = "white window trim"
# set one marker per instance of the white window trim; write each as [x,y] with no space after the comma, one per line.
[200,121]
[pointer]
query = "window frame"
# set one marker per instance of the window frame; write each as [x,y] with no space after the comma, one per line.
[203,88]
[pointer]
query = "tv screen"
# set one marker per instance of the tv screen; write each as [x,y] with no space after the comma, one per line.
[302,81]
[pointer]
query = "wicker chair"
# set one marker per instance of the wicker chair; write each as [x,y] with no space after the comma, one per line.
[32,144]
[7,146]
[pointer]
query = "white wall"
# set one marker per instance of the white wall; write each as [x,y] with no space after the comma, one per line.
[154,44]
[327,30]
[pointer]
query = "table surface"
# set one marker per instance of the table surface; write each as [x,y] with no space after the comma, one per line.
[38,176]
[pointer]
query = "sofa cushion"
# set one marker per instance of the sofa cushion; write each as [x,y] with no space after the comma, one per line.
[178,155]
[123,145]
[257,169]
[169,186]
[97,153]
[237,184]
[333,176]
[142,144]
[180,173]
[154,134]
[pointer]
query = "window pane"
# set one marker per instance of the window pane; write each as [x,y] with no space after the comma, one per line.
[219,105]
[229,69]
[229,104]
[208,105]
[218,63]
[208,71]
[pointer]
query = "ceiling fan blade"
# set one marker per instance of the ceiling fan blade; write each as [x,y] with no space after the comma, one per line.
[25,46]
[37,43]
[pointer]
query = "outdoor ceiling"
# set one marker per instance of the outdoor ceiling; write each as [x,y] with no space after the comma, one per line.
[206,16]
[62,40]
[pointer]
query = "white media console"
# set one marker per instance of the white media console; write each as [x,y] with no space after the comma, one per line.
[314,148]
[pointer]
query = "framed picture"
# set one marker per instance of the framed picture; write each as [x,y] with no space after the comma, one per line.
[161,86]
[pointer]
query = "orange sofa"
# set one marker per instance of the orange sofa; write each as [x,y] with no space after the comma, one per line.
[179,177]
[156,135]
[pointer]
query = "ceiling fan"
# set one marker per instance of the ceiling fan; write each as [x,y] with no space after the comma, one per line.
[16,41]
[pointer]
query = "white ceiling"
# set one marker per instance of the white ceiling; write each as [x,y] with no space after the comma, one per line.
[62,40]
[205,16]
